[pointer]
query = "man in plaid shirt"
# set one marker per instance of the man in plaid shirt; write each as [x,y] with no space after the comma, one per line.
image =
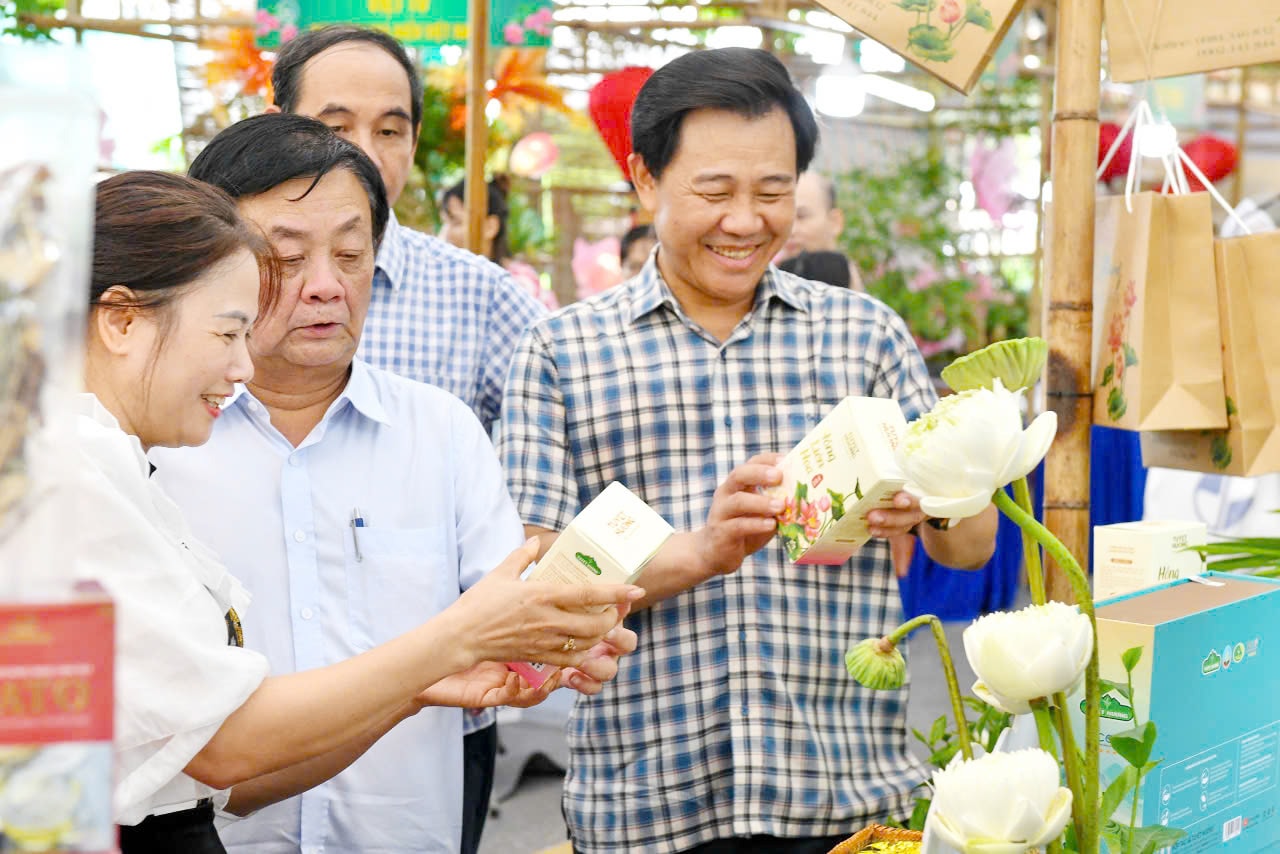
[734,727]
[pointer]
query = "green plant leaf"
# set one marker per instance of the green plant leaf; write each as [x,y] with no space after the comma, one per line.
[939,729]
[917,5]
[1108,373]
[1149,839]
[1134,745]
[1231,407]
[919,814]
[1130,357]
[802,490]
[1116,406]
[1116,791]
[974,13]
[1130,658]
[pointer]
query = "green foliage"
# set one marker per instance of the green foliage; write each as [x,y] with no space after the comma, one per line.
[1259,555]
[1130,658]
[903,239]
[12,12]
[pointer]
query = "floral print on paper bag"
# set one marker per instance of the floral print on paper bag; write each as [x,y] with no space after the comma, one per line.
[1119,354]
[936,42]
[802,522]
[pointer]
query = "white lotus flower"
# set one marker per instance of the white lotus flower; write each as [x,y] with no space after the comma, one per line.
[1001,803]
[968,446]
[1024,655]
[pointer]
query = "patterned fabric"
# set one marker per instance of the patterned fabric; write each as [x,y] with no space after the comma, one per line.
[735,716]
[441,315]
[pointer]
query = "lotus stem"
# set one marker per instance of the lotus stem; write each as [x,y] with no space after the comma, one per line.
[1030,549]
[948,671]
[1070,758]
[1054,548]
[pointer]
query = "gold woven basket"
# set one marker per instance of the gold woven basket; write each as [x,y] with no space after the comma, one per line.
[875,833]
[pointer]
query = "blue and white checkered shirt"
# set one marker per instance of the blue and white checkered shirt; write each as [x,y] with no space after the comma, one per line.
[735,716]
[442,315]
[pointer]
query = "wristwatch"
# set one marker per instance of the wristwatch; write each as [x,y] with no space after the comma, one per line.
[936,524]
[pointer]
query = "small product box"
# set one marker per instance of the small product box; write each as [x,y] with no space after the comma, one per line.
[56,724]
[609,542]
[1209,677]
[842,470]
[1131,556]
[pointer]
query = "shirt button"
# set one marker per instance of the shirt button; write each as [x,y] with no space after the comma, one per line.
[307,613]
[294,460]
[745,711]
[728,421]
[300,536]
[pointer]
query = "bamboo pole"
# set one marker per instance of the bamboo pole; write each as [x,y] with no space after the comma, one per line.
[1069,283]
[475,194]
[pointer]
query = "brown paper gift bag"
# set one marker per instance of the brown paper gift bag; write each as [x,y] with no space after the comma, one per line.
[1160,362]
[1187,36]
[951,39]
[1249,296]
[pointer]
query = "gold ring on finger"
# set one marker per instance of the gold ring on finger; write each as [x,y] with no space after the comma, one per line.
[569,645]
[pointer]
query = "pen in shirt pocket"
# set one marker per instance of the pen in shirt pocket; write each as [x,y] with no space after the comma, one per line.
[357,522]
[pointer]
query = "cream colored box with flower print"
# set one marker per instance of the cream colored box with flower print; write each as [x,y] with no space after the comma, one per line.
[841,471]
[1131,556]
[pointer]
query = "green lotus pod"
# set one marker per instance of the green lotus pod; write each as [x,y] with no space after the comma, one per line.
[876,663]
[1017,363]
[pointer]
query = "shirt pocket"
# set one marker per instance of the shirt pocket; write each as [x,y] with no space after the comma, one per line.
[397,579]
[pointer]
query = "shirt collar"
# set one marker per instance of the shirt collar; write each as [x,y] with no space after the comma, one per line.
[361,391]
[392,259]
[651,290]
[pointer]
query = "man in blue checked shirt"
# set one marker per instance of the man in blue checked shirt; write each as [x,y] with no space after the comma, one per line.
[734,727]
[437,314]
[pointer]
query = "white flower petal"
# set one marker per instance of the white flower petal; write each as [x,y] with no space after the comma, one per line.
[1004,704]
[955,508]
[1056,820]
[938,832]
[1035,443]
[995,847]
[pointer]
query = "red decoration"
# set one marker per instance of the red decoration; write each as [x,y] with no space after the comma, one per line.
[1215,156]
[1119,165]
[610,109]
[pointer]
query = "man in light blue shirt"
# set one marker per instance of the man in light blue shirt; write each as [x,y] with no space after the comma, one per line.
[437,313]
[354,503]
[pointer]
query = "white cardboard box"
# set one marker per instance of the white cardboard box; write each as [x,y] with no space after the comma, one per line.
[1131,556]
[842,470]
[609,542]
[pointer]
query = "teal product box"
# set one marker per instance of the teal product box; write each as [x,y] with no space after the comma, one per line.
[1209,677]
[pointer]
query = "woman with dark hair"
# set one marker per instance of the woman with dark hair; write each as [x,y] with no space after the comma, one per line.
[494,244]
[178,281]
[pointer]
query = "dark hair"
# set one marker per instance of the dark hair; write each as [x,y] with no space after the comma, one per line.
[746,81]
[639,232]
[292,57]
[154,233]
[497,205]
[820,266]
[260,153]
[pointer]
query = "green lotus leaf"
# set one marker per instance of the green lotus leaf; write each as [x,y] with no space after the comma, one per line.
[1017,363]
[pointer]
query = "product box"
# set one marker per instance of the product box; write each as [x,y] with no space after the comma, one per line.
[609,542]
[842,470]
[56,724]
[1131,556]
[1209,676]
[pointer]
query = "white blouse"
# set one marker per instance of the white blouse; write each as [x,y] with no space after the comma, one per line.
[177,679]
